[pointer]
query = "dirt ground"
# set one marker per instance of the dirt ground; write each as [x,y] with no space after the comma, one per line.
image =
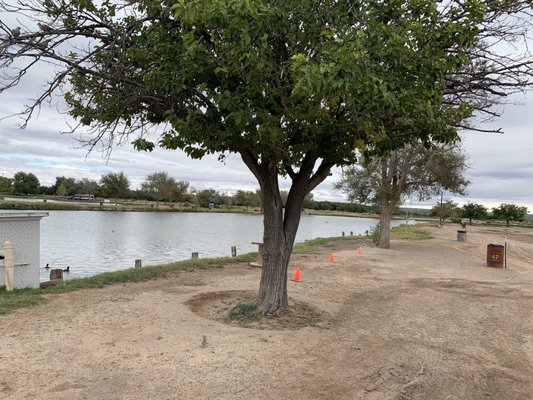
[424,320]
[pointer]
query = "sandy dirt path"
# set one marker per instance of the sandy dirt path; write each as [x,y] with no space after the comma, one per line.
[424,320]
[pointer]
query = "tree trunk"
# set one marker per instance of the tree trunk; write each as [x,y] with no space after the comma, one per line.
[391,187]
[272,298]
[385,219]
[280,226]
[278,239]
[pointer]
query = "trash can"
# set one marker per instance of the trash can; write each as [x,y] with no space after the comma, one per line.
[495,255]
[461,236]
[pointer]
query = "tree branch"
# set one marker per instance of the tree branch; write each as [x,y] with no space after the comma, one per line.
[323,171]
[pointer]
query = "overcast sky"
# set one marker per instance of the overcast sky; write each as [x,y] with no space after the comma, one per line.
[501,165]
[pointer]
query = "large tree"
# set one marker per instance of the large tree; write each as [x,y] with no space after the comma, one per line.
[293,87]
[181,190]
[25,183]
[115,185]
[64,186]
[6,185]
[208,197]
[413,171]
[473,211]
[88,186]
[160,186]
[247,198]
[509,212]
[444,210]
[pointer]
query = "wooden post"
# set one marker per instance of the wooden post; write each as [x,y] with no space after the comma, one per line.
[234,251]
[260,253]
[9,264]
[56,274]
[138,263]
[55,282]
[259,263]
[194,255]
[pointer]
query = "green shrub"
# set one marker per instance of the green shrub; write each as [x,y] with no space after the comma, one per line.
[375,233]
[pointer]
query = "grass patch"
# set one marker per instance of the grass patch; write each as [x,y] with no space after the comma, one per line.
[299,315]
[243,311]
[409,232]
[21,298]
[146,273]
[311,245]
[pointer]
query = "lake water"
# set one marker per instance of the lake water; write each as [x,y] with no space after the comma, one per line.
[92,242]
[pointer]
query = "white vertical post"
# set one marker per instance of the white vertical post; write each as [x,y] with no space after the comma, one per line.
[9,264]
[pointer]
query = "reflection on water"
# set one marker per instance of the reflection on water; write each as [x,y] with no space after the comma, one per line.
[91,242]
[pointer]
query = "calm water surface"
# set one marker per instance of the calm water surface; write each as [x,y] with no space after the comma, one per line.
[91,242]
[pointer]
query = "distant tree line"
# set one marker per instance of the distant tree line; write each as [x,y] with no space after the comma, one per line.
[158,187]
[474,211]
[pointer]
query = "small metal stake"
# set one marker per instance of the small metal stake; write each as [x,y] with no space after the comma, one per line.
[505,254]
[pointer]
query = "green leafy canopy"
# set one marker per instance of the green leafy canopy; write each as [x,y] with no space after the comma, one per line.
[280,79]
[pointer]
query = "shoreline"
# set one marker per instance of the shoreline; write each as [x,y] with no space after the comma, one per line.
[149,207]
[31,297]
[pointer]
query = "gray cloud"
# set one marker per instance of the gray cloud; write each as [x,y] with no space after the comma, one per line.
[502,164]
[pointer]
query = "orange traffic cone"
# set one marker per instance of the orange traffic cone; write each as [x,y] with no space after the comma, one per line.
[360,250]
[332,258]
[297,277]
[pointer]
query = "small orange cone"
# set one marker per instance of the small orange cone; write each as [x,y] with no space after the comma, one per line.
[297,277]
[360,250]
[332,258]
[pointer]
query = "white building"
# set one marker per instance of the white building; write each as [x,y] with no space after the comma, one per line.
[22,229]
